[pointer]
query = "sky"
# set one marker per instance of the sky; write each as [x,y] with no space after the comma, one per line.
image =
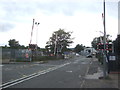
[82,17]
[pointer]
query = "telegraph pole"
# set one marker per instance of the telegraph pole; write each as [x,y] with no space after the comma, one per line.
[104,54]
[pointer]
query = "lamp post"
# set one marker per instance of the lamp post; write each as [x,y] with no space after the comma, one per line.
[36,23]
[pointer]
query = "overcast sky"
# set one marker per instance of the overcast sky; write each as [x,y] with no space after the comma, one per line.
[83,17]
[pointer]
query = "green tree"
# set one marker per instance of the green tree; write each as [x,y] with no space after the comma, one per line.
[13,43]
[95,42]
[59,41]
[78,48]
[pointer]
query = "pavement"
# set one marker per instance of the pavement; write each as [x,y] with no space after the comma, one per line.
[95,78]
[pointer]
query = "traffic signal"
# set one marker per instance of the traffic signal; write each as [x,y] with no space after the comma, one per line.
[101,46]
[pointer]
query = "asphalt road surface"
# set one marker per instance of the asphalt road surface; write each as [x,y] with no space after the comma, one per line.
[53,74]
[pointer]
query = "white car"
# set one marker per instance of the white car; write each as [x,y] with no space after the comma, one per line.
[77,54]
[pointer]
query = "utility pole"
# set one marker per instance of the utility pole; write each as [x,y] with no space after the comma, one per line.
[104,54]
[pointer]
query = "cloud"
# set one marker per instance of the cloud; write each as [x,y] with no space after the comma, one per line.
[14,9]
[112,9]
[83,17]
[22,8]
[5,26]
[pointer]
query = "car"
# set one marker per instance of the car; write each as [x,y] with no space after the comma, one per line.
[77,55]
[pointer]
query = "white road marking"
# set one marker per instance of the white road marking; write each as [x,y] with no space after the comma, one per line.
[84,63]
[69,71]
[8,84]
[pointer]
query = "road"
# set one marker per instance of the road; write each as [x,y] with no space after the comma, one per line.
[69,73]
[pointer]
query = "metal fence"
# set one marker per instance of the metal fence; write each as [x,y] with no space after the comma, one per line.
[6,53]
[16,54]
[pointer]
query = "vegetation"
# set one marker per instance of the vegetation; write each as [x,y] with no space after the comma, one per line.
[59,42]
[78,48]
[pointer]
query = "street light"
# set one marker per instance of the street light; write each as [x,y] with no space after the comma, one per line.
[36,23]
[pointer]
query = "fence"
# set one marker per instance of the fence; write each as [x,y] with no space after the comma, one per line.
[15,55]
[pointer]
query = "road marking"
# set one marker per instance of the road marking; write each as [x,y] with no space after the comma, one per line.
[84,63]
[81,86]
[69,71]
[14,82]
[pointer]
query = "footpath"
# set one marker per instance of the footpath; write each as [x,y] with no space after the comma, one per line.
[93,78]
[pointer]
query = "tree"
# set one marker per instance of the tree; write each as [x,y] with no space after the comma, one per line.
[95,42]
[78,48]
[13,43]
[59,41]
